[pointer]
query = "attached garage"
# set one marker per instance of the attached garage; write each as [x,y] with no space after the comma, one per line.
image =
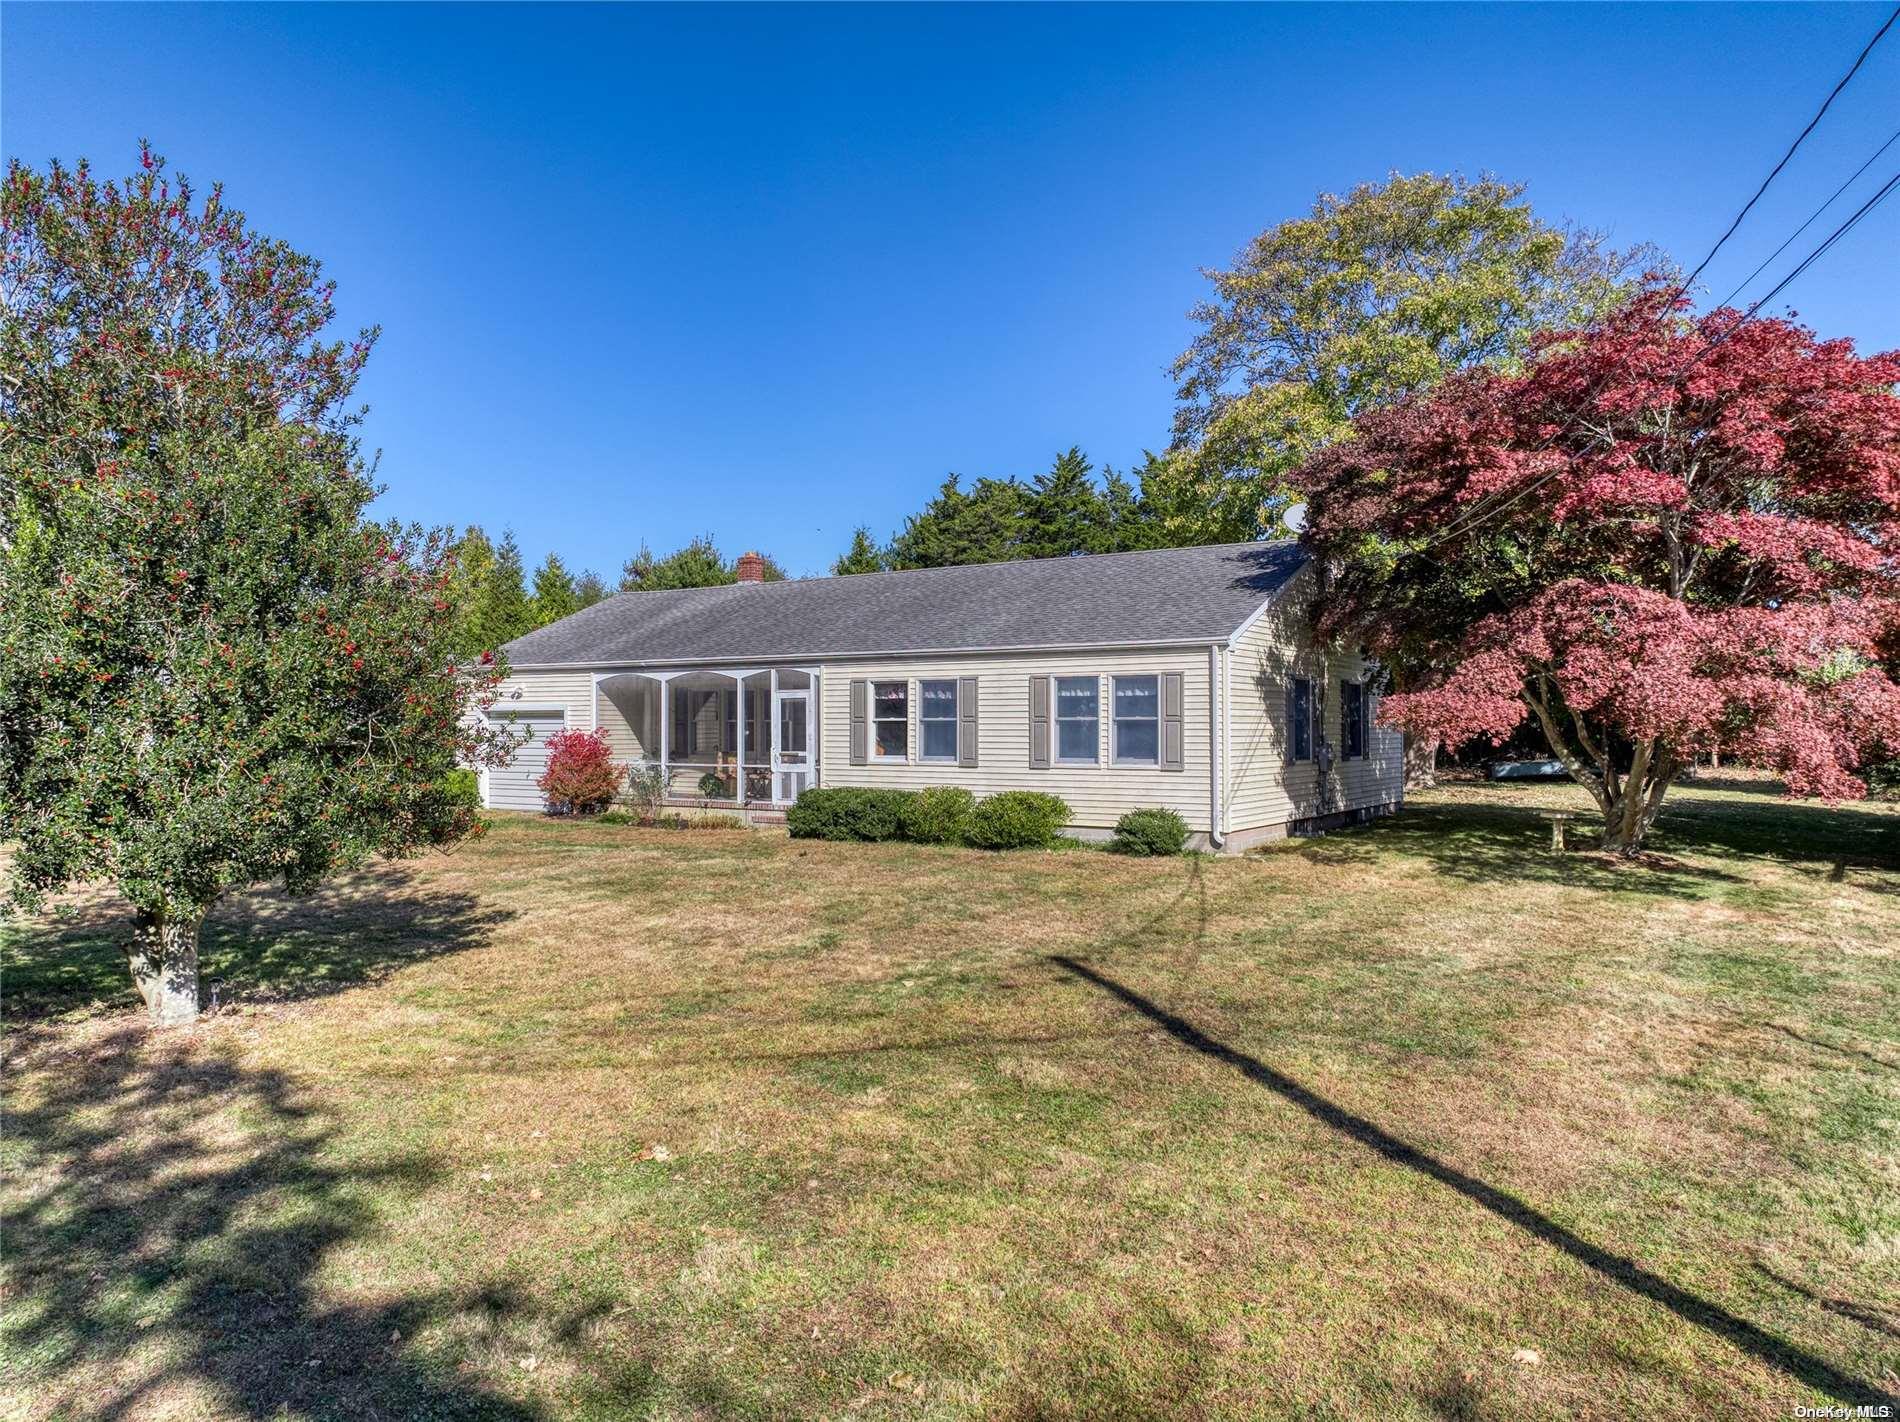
[512,786]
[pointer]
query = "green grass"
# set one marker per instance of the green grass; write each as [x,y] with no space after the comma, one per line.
[598,1122]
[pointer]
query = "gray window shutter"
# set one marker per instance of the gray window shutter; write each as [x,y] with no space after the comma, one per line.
[1038,723]
[860,727]
[1292,711]
[966,721]
[1171,721]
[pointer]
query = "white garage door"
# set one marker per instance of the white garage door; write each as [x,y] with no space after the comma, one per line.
[512,787]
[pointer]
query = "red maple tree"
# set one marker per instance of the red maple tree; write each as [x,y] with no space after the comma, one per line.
[1665,534]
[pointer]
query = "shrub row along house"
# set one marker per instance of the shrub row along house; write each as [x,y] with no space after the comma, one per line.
[1178,678]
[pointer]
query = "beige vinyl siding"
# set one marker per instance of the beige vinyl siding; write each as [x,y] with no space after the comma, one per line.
[1262,789]
[629,714]
[1098,795]
[512,787]
[571,690]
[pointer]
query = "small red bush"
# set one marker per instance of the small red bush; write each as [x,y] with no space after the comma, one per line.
[581,776]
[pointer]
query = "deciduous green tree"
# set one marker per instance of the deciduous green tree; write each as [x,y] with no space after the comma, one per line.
[214,669]
[1371,296]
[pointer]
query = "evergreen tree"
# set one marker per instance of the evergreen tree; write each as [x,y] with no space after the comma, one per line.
[697,565]
[503,609]
[554,593]
[861,557]
[1063,512]
[635,572]
[1132,521]
[985,525]
[589,588]
[471,559]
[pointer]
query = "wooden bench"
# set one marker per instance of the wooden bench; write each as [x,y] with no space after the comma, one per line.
[1558,819]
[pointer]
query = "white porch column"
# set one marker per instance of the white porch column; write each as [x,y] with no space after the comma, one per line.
[738,737]
[666,734]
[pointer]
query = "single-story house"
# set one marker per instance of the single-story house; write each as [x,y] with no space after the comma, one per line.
[1181,678]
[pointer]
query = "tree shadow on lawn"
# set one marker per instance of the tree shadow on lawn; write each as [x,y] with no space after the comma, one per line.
[168,1215]
[1505,844]
[1777,1353]
[260,946]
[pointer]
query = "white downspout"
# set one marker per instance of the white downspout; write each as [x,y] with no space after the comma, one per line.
[1226,735]
[1216,735]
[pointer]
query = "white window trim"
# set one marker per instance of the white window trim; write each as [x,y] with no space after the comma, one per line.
[955,719]
[1057,760]
[1114,758]
[910,704]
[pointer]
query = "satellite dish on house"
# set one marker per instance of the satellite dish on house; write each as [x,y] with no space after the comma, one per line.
[1295,517]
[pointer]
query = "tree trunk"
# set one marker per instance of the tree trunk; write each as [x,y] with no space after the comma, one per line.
[1421,762]
[163,956]
[1627,818]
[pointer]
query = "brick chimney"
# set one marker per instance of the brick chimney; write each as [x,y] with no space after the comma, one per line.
[750,568]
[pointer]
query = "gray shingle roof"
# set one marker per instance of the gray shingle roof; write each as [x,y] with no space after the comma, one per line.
[1168,595]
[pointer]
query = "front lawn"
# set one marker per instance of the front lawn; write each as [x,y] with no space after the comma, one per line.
[1418,1121]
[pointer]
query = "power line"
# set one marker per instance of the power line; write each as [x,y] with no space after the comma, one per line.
[1775,171]
[1832,199]
[1478,514]
[1835,236]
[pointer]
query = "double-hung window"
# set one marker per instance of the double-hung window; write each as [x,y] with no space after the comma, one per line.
[1078,720]
[890,717]
[1299,715]
[937,719]
[1352,718]
[1137,720]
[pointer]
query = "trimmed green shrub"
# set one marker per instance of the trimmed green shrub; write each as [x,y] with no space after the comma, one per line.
[464,789]
[1147,832]
[939,815]
[617,817]
[1017,819]
[847,812]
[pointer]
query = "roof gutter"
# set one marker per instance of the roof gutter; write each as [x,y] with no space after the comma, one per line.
[767,658]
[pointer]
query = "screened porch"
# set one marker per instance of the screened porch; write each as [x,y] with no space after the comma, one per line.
[741,737]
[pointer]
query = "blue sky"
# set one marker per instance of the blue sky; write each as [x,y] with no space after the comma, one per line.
[770,273]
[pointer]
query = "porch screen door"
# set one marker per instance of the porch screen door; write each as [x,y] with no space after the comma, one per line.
[791,745]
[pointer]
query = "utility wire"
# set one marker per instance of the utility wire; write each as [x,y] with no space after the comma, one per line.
[1774,172]
[1477,515]
[1838,233]
[1812,218]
